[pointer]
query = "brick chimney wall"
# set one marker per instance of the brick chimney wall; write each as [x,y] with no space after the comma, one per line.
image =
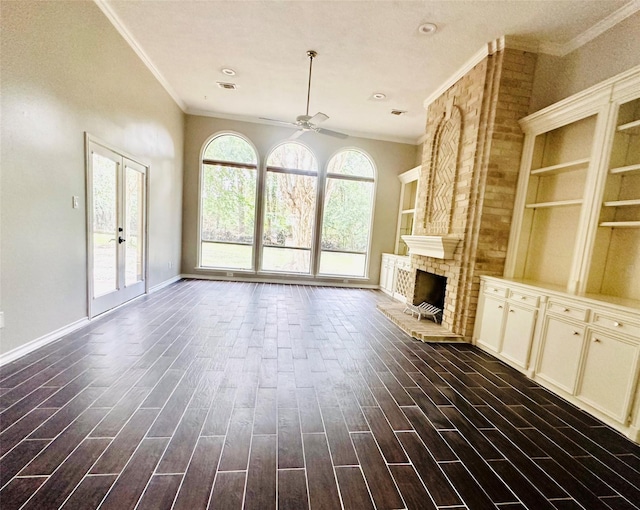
[491,97]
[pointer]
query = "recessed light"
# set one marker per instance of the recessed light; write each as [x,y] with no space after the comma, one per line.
[379,96]
[427,28]
[228,71]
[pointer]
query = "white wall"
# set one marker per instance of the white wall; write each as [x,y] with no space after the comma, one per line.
[390,158]
[611,53]
[65,70]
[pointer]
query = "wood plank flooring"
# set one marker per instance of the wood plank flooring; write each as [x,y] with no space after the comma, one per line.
[236,395]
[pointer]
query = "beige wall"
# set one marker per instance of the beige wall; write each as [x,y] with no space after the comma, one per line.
[65,70]
[611,53]
[390,158]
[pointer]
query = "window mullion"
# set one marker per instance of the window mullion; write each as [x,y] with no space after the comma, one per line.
[260,215]
[317,224]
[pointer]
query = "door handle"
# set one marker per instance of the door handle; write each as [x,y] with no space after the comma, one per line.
[121,240]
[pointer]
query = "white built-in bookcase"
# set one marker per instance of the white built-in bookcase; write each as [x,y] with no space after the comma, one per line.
[576,221]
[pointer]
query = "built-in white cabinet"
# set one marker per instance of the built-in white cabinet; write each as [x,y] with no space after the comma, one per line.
[574,253]
[584,349]
[508,322]
[561,346]
[609,374]
[409,181]
[395,268]
[394,275]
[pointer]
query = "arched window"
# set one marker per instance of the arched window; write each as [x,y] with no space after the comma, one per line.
[346,220]
[289,209]
[228,203]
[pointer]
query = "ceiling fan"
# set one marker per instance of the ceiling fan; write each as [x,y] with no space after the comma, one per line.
[305,122]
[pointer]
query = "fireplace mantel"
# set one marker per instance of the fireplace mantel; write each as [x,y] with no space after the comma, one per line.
[439,247]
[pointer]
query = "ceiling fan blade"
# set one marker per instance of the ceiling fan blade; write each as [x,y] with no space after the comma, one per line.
[335,134]
[318,118]
[297,134]
[279,121]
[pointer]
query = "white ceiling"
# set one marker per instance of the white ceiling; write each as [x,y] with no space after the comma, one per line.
[363,47]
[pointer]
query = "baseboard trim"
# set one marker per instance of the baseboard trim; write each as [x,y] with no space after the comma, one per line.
[165,283]
[265,279]
[18,352]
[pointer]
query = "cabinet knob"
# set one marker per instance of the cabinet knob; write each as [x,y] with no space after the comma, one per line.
[511,310]
[596,340]
[617,324]
[565,309]
[522,297]
[575,333]
[500,307]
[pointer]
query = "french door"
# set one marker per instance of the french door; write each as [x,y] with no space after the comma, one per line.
[116,221]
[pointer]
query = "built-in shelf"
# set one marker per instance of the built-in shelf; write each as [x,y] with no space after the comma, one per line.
[557,203]
[562,167]
[622,203]
[625,169]
[629,125]
[621,224]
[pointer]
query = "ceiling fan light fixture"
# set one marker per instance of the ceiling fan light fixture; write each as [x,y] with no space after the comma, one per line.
[228,71]
[427,28]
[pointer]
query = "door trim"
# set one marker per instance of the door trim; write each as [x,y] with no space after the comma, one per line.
[93,140]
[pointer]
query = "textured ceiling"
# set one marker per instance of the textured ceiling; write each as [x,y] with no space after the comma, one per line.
[363,47]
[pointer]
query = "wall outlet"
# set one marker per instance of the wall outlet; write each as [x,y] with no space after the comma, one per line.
[75,201]
[1,320]
[170,265]
[229,273]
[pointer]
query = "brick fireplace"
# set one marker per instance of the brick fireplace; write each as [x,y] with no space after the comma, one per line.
[471,157]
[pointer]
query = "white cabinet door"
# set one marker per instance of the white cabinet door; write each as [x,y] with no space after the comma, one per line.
[560,353]
[609,374]
[490,334]
[518,333]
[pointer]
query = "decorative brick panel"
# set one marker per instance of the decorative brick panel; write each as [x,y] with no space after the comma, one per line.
[490,99]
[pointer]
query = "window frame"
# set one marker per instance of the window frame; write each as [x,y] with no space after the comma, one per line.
[326,175]
[314,227]
[234,164]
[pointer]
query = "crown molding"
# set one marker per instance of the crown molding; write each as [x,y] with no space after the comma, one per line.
[562,49]
[135,46]
[253,120]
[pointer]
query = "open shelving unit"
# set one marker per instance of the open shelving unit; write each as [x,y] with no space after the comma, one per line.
[616,267]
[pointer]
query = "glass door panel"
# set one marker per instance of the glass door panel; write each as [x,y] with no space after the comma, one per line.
[134,216]
[104,225]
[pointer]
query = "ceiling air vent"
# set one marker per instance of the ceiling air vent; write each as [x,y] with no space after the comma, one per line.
[228,86]
[398,112]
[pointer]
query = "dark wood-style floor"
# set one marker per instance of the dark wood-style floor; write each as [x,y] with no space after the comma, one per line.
[258,396]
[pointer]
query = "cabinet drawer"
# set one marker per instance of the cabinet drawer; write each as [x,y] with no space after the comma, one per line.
[616,324]
[567,310]
[494,290]
[525,299]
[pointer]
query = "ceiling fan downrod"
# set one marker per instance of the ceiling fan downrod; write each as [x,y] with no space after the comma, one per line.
[311,54]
